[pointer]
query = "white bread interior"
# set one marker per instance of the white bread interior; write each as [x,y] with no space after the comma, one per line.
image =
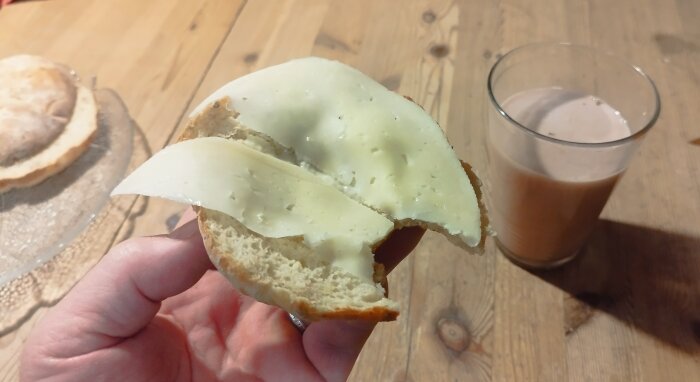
[286,273]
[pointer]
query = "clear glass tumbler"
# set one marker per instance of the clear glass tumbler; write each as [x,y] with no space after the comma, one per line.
[564,123]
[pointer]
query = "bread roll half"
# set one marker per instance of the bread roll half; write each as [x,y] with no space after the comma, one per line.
[281,271]
[47,120]
[299,171]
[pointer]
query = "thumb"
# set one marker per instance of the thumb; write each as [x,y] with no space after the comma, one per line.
[122,293]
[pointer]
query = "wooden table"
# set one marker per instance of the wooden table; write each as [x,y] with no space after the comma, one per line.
[628,310]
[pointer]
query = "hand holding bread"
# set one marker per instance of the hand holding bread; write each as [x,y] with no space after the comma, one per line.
[154,309]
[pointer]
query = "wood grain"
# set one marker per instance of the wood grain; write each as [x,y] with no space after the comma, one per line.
[154,61]
[625,311]
[265,43]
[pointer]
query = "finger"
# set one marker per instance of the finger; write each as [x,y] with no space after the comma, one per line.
[397,246]
[122,293]
[189,215]
[333,346]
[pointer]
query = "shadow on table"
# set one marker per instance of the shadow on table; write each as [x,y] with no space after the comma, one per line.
[648,279]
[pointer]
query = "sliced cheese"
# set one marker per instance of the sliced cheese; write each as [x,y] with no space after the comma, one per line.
[381,149]
[269,196]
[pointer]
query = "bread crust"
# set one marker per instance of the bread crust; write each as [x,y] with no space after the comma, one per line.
[40,174]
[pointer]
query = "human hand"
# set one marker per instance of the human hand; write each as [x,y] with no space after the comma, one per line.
[155,309]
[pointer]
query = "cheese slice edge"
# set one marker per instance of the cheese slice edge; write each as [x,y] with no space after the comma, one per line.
[269,196]
[381,149]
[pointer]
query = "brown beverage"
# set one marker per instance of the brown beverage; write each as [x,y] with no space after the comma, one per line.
[543,205]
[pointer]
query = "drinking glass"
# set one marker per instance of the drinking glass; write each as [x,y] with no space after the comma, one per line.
[564,123]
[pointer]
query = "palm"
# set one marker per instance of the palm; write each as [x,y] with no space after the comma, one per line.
[213,333]
[230,336]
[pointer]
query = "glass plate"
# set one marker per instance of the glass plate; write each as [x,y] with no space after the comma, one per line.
[39,222]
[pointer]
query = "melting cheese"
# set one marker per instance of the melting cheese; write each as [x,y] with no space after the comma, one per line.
[380,148]
[269,196]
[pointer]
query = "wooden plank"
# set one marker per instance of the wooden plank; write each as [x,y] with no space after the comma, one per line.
[155,61]
[507,324]
[616,298]
[266,33]
[528,326]
[349,34]
[642,274]
[449,308]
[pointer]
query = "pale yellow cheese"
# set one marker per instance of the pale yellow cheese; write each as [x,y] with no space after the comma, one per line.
[269,196]
[380,148]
